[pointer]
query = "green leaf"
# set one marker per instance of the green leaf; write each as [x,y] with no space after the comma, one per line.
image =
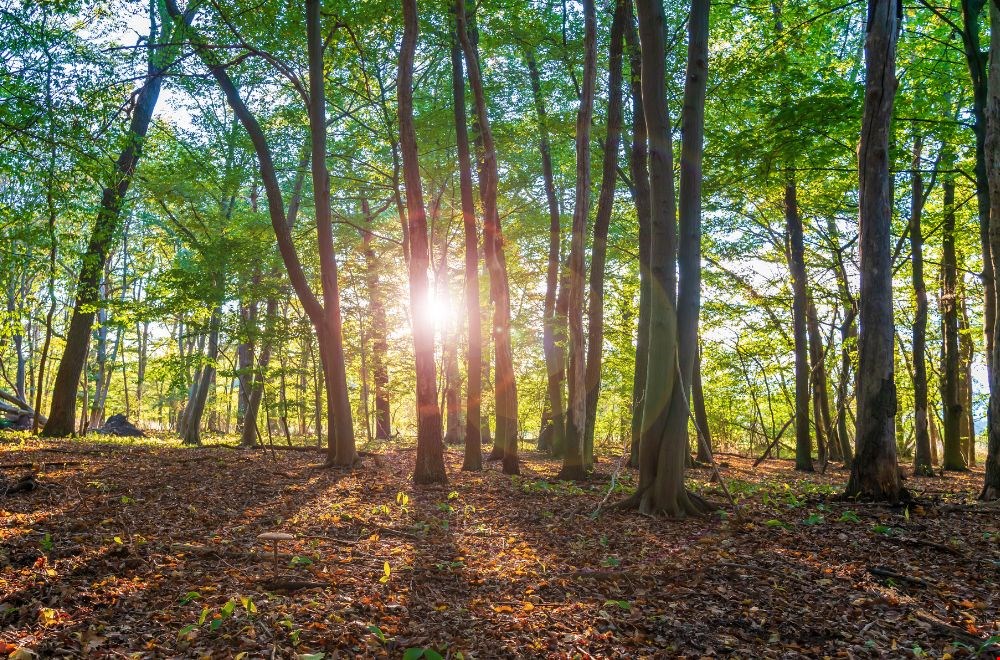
[204,615]
[413,654]
[189,596]
[849,516]
[375,630]
[228,608]
[186,629]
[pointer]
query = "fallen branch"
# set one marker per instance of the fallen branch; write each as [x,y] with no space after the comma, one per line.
[910,540]
[46,464]
[278,584]
[776,440]
[885,573]
[957,633]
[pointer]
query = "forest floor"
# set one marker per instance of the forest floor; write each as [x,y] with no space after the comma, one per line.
[151,549]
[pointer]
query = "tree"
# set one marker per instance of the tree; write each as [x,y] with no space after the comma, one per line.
[574,466]
[673,334]
[874,472]
[505,385]
[430,457]
[162,50]
[991,482]
[797,265]
[953,408]
[922,460]
[473,460]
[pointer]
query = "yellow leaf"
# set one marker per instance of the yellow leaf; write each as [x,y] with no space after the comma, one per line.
[442,607]
[503,608]
[528,607]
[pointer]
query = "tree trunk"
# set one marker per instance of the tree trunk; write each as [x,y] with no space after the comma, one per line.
[875,472]
[380,346]
[640,195]
[62,415]
[922,458]
[800,300]
[977,61]
[991,483]
[555,430]
[673,335]
[473,459]
[574,460]
[430,458]
[966,349]
[605,202]
[823,422]
[703,446]
[950,367]
[191,434]
[504,382]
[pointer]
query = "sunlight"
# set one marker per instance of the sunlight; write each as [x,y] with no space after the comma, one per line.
[440,310]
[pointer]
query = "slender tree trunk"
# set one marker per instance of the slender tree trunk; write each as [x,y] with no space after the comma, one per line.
[504,377]
[875,472]
[473,460]
[605,202]
[554,434]
[191,434]
[951,366]
[380,346]
[574,466]
[976,60]
[922,458]
[703,449]
[823,422]
[430,458]
[800,301]
[991,483]
[449,339]
[640,195]
[966,349]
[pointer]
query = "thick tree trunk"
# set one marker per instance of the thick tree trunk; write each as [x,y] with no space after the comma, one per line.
[673,335]
[62,415]
[800,300]
[602,221]
[504,377]
[640,195]
[554,430]
[991,484]
[922,457]
[950,367]
[430,458]
[875,472]
[573,460]
[473,459]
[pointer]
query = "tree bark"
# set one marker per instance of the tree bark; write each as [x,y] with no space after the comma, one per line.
[950,367]
[991,482]
[574,466]
[504,377]
[430,458]
[602,221]
[554,428]
[823,421]
[800,300]
[874,471]
[191,434]
[703,449]
[640,195]
[922,458]
[966,350]
[473,458]
[673,335]
[380,346]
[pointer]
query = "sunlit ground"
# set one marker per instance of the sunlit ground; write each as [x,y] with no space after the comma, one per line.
[149,547]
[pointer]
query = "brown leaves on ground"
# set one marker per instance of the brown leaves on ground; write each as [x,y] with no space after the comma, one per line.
[154,550]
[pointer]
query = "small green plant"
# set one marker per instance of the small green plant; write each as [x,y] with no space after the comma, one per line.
[620,604]
[849,516]
[416,653]
[386,573]
[882,529]
[403,500]
[612,562]
[813,519]
[189,597]
[299,560]
[774,522]
[379,635]
[46,543]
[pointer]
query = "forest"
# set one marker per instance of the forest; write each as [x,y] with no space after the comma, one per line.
[499,328]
